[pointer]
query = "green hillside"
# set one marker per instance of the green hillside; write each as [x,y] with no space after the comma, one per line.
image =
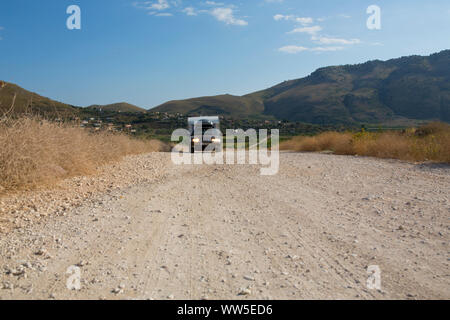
[414,87]
[118,107]
[224,104]
[14,99]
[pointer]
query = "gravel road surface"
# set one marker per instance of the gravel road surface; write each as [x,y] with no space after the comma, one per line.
[148,229]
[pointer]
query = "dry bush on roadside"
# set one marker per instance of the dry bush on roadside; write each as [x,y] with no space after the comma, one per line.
[434,147]
[427,143]
[331,141]
[339,143]
[384,145]
[300,143]
[35,151]
[432,128]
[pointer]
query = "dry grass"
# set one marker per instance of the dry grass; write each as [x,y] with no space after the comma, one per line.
[428,143]
[37,152]
[333,141]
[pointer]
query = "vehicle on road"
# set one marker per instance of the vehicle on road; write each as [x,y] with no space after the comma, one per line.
[204,131]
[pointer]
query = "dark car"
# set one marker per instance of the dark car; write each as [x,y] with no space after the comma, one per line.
[204,131]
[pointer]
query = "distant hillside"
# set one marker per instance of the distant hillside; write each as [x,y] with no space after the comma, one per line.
[223,104]
[118,107]
[14,99]
[26,101]
[414,87]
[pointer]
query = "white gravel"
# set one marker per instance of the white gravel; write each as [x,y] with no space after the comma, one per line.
[147,229]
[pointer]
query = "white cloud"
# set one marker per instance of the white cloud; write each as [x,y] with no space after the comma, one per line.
[327,40]
[213,3]
[293,49]
[166,8]
[164,14]
[304,21]
[323,49]
[279,17]
[155,8]
[307,26]
[310,30]
[301,20]
[227,15]
[158,5]
[190,11]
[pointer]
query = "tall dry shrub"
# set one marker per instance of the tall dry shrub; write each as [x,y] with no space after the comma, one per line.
[430,142]
[340,143]
[384,145]
[34,151]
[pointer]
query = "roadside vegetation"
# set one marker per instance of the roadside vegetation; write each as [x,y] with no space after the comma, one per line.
[36,152]
[430,142]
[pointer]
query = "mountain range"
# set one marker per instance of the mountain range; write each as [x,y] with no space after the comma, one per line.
[412,88]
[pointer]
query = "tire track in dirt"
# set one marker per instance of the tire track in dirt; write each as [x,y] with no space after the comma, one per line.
[212,231]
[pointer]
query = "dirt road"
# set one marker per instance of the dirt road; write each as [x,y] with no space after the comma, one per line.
[226,232]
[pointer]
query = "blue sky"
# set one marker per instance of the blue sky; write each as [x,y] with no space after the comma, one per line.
[149,52]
